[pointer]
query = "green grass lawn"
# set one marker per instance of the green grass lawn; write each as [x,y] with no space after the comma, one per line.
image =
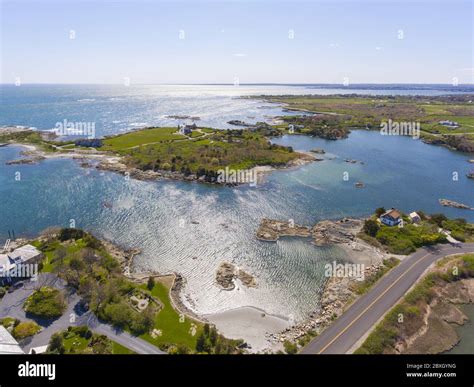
[119,349]
[175,330]
[48,261]
[77,344]
[140,137]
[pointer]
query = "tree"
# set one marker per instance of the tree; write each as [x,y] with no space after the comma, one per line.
[118,314]
[379,211]
[142,322]
[151,283]
[371,227]
[200,343]
[438,219]
[213,336]
[56,344]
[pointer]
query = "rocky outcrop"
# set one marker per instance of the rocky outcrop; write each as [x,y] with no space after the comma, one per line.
[32,160]
[437,334]
[460,143]
[325,232]
[319,151]
[227,273]
[271,230]
[451,203]
[336,232]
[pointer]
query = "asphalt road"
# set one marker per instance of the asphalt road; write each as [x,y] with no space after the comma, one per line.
[351,326]
[12,305]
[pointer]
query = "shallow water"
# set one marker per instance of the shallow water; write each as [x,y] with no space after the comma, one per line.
[466,333]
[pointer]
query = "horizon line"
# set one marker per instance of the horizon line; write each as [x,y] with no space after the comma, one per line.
[244,84]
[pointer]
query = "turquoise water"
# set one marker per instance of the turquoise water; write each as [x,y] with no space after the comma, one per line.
[191,228]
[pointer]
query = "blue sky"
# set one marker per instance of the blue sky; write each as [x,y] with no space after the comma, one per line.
[250,40]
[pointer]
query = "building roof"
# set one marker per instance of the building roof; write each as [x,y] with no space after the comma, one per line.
[6,264]
[414,215]
[394,213]
[25,252]
[8,345]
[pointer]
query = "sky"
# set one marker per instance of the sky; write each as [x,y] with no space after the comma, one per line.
[148,42]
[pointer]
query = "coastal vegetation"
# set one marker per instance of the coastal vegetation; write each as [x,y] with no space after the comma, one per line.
[162,149]
[428,308]
[46,302]
[81,340]
[361,287]
[20,329]
[407,238]
[200,154]
[143,309]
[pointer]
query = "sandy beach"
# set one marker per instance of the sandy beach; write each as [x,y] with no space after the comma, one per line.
[250,324]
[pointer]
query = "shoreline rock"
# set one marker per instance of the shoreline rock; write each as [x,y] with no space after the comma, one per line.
[227,273]
[452,203]
[271,230]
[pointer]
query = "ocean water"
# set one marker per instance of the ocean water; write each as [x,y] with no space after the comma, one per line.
[191,228]
[118,108]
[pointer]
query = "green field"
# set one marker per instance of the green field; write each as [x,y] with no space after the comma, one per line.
[369,111]
[153,149]
[140,137]
[175,329]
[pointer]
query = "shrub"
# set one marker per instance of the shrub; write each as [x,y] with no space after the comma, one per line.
[371,227]
[25,329]
[70,233]
[438,219]
[118,314]
[290,348]
[56,344]
[82,331]
[46,302]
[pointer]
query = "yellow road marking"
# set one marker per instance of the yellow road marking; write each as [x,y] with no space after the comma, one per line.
[372,303]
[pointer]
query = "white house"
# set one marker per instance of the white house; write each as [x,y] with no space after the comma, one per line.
[186,129]
[16,264]
[391,217]
[414,217]
[450,124]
